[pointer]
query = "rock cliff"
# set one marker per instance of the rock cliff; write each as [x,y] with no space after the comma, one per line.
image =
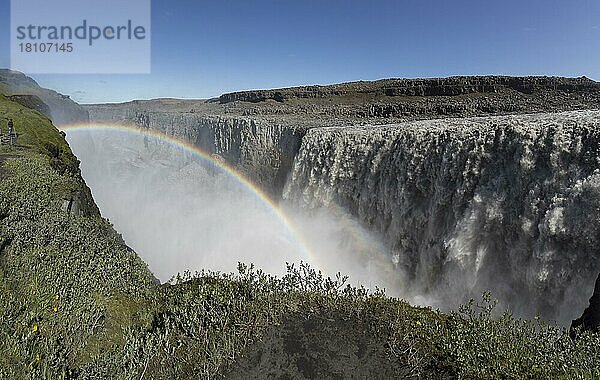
[262,151]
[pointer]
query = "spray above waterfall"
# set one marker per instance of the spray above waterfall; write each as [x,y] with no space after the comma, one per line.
[183,209]
[188,148]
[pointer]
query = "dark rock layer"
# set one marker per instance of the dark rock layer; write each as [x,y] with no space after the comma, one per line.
[590,320]
[418,98]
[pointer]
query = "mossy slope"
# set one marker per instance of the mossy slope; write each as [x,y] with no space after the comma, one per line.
[66,277]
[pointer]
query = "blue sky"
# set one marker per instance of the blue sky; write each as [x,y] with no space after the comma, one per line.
[204,48]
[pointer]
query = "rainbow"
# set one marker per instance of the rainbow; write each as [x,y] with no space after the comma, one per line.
[219,163]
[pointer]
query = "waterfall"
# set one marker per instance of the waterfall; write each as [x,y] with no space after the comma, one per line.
[508,204]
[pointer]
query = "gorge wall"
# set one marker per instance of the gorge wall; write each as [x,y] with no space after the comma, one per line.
[264,152]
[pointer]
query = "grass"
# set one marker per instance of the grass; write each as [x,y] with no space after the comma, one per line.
[37,134]
[76,303]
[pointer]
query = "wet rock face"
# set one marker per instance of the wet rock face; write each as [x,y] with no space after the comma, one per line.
[81,203]
[590,320]
[262,151]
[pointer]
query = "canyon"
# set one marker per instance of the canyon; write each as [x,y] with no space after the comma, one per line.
[473,183]
[456,197]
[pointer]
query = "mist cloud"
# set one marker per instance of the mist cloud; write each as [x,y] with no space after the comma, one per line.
[180,212]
